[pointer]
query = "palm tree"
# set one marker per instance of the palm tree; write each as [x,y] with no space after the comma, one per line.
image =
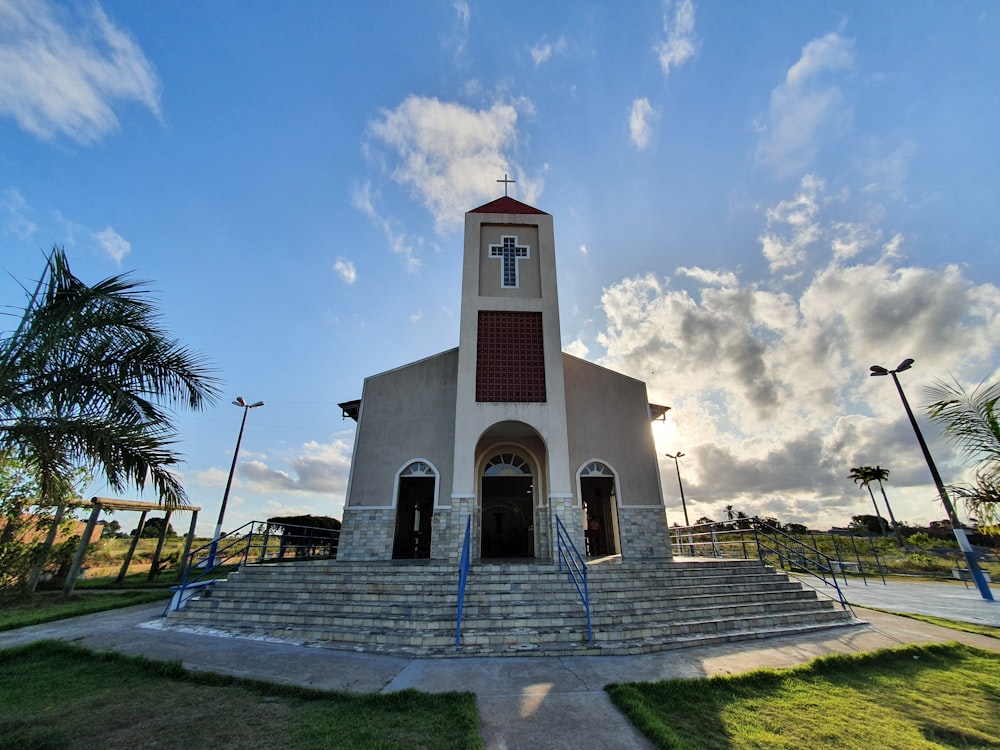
[89,378]
[972,422]
[880,475]
[863,475]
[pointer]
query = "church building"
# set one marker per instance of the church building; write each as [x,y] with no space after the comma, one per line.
[506,432]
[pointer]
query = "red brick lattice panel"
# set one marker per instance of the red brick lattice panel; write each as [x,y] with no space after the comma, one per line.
[510,357]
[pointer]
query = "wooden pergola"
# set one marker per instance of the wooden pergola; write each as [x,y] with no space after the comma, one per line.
[100,504]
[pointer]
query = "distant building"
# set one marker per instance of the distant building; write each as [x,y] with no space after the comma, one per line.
[505,431]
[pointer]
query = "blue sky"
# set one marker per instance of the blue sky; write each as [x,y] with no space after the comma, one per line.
[753,203]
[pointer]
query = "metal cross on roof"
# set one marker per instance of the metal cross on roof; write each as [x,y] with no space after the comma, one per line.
[506,182]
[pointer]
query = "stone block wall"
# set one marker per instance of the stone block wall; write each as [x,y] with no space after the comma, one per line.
[449,529]
[644,532]
[571,514]
[367,534]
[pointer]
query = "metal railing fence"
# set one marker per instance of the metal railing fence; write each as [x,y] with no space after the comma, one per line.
[255,542]
[752,538]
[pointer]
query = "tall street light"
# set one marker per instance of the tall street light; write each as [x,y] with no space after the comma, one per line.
[232,470]
[679,484]
[963,541]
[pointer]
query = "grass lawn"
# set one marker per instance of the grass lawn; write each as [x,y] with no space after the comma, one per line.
[930,696]
[21,610]
[57,695]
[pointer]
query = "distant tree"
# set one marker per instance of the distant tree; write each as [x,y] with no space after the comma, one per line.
[743,521]
[307,536]
[112,530]
[317,522]
[864,476]
[972,422]
[870,523]
[730,515]
[796,528]
[881,475]
[152,528]
[773,522]
[703,520]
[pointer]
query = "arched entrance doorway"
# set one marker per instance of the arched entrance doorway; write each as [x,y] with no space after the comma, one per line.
[507,492]
[600,509]
[415,491]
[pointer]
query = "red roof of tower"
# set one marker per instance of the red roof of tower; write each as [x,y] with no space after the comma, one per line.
[506,205]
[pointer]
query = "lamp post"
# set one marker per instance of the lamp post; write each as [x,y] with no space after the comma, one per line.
[963,541]
[677,466]
[229,483]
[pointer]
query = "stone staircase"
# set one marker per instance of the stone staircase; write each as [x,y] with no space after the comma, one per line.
[513,609]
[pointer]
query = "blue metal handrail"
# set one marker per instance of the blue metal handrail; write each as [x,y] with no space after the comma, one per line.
[463,574]
[272,538]
[809,560]
[576,568]
[720,541]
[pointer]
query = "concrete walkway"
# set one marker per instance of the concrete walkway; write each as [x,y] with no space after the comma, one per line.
[540,703]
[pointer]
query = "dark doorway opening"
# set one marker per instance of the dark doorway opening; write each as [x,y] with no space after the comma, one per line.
[600,517]
[508,522]
[414,508]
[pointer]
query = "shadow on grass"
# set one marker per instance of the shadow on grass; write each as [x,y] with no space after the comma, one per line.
[925,696]
[35,609]
[61,696]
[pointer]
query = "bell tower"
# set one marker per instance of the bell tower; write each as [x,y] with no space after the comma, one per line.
[511,391]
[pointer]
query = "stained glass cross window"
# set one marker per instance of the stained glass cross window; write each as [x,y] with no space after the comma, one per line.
[510,252]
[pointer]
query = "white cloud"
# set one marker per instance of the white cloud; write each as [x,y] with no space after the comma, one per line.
[542,52]
[792,227]
[450,156]
[768,380]
[583,250]
[852,238]
[678,27]
[887,173]
[463,12]
[416,317]
[641,115]
[345,269]
[710,278]
[464,15]
[16,208]
[212,477]
[317,468]
[891,248]
[805,105]
[361,199]
[116,246]
[577,348]
[61,72]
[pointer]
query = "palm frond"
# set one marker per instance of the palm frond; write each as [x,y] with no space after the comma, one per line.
[970,420]
[90,376]
[981,500]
